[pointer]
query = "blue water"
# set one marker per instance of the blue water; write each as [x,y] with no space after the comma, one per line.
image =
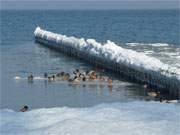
[124,26]
[21,56]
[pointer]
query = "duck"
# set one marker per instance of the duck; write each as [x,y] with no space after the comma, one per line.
[153,94]
[58,75]
[87,72]
[70,80]
[81,75]
[84,79]
[30,78]
[76,72]
[76,80]
[110,82]
[51,78]
[61,74]
[162,100]
[45,75]
[93,77]
[66,76]
[91,72]
[24,109]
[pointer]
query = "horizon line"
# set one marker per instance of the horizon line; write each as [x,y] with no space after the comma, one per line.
[96,9]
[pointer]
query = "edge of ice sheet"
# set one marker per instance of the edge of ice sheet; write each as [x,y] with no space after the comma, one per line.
[129,118]
[111,51]
[149,44]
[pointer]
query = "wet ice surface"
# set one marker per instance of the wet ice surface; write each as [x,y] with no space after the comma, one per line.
[147,118]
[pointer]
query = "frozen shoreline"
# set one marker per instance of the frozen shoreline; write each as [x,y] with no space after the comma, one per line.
[136,118]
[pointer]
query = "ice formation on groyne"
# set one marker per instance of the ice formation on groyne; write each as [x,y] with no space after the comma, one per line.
[135,65]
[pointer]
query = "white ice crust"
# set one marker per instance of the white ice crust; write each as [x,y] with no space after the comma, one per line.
[113,52]
[133,118]
[149,44]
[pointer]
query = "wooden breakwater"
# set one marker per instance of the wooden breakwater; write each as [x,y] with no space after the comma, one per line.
[152,78]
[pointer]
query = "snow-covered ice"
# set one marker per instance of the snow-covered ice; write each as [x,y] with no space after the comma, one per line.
[110,51]
[131,118]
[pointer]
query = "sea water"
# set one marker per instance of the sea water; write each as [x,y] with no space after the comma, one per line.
[154,32]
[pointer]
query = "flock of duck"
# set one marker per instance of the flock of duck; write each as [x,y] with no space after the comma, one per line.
[80,77]
[161,99]
[157,94]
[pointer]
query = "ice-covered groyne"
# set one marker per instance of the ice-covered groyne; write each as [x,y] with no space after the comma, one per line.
[127,63]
